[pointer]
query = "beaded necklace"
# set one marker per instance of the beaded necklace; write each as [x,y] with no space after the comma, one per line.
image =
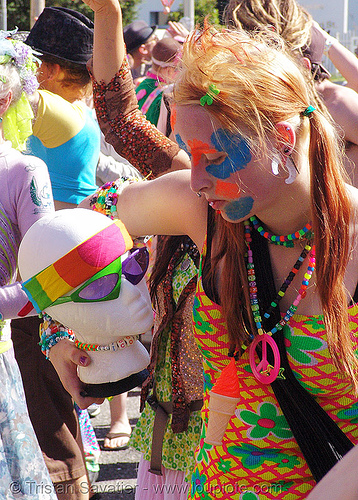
[286,241]
[264,372]
[122,343]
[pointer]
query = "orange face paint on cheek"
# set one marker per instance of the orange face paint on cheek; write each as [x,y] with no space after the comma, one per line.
[227,189]
[198,148]
[173,116]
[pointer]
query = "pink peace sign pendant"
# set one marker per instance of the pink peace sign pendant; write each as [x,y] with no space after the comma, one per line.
[264,372]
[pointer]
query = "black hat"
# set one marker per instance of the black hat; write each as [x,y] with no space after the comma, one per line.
[137,33]
[63,33]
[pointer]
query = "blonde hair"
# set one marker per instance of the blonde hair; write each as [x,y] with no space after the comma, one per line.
[261,85]
[259,81]
[286,17]
[10,81]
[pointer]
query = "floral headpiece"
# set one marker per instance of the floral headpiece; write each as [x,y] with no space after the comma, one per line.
[22,57]
[17,120]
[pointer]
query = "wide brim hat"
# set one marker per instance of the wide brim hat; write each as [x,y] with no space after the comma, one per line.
[63,33]
[137,33]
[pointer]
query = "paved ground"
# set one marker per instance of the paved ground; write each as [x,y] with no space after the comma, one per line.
[118,472]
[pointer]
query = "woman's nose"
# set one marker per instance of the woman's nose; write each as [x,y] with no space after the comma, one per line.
[200,178]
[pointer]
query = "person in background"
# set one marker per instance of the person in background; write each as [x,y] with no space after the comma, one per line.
[309,42]
[66,136]
[342,58]
[65,130]
[165,58]
[169,427]
[64,38]
[25,197]
[140,40]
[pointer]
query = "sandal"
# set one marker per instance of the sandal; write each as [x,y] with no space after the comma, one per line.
[114,435]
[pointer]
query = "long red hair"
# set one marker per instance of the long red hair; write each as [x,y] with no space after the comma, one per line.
[261,85]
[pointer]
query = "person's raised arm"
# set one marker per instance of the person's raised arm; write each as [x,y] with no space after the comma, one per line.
[342,58]
[108,46]
[122,123]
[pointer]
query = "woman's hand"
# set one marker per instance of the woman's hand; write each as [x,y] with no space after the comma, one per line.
[98,5]
[178,30]
[65,357]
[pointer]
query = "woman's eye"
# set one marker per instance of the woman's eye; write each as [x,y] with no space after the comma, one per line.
[216,159]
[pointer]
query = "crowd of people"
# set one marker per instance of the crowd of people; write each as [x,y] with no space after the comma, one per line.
[231,155]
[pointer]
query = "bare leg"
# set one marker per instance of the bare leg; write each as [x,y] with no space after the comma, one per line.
[120,430]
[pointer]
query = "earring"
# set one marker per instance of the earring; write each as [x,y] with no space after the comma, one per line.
[274,165]
[198,194]
[292,170]
[0,119]
[275,162]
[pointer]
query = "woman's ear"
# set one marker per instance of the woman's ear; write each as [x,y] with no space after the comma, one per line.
[306,63]
[286,137]
[5,103]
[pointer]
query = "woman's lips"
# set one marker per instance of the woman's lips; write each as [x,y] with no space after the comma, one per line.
[216,204]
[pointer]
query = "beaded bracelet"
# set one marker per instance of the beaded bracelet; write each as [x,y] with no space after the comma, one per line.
[52,332]
[106,198]
[47,342]
[328,44]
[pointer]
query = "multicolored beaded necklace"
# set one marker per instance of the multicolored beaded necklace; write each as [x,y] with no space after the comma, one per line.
[265,372]
[286,241]
[122,343]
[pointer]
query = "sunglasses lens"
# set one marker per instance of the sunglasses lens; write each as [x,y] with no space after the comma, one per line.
[99,288]
[136,265]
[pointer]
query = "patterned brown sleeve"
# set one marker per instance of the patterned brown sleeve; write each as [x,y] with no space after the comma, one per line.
[127,129]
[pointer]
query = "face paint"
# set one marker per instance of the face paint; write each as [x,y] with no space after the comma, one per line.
[182,144]
[239,209]
[238,152]
[227,189]
[198,148]
[173,115]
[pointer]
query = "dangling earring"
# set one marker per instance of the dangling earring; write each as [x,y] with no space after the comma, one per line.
[275,162]
[291,167]
[0,119]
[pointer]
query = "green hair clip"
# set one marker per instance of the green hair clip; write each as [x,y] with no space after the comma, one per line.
[308,111]
[208,97]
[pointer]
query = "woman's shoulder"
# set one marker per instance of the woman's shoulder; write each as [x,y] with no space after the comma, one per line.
[352,192]
[20,162]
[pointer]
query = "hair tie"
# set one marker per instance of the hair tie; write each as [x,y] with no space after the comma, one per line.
[211,93]
[308,111]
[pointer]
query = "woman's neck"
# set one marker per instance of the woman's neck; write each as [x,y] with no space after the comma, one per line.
[290,209]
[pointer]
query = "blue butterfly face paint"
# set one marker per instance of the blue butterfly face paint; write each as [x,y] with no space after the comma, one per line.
[239,209]
[238,153]
[182,144]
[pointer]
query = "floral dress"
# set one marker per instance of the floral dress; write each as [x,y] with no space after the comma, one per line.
[178,448]
[259,458]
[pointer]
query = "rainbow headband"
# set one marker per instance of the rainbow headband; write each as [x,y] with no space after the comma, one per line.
[78,265]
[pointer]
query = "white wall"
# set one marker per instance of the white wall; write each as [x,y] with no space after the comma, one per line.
[148,6]
[329,13]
